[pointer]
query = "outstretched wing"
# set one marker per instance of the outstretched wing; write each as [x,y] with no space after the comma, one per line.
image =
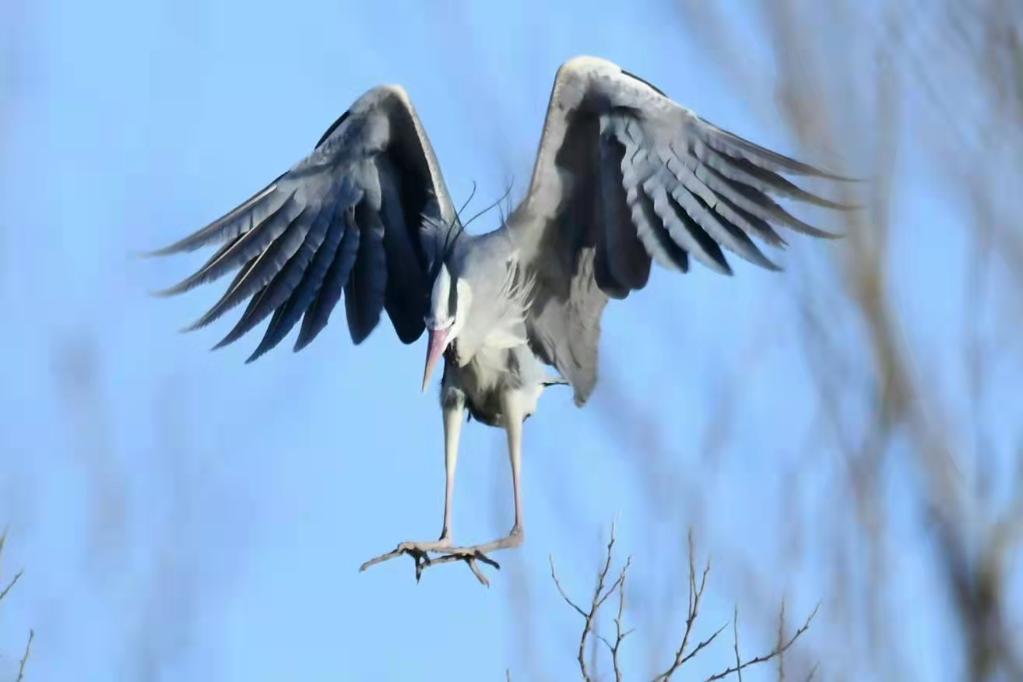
[624,175]
[366,213]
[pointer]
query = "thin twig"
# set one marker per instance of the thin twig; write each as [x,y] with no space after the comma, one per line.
[620,635]
[763,658]
[10,584]
[695,595]
[564,596]
[735,641]
[600,595]
[682,656]
[779,641]
[24,657]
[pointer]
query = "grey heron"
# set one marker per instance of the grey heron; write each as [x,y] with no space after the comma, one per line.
[624,177]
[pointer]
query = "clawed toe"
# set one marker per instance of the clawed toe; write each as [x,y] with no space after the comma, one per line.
[419,551]
[440,545]
[426,554]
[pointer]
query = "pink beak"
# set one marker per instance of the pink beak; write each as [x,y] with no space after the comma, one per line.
[438,342]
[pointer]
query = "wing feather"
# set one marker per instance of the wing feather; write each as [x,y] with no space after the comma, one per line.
[277,292]
[671,185]
[288,314]
[362,215]
[684,233]
[627,260]
[365,288]
[333,282]
[406,278]
[231,225]
[248,246]
[744,171]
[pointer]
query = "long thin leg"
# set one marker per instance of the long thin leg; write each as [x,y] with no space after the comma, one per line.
[454,412]
[511,408]
[513,428]
[454,416]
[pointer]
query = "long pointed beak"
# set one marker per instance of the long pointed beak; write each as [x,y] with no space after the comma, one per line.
[438,342]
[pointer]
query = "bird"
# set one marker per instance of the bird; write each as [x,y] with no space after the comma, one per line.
[624,177]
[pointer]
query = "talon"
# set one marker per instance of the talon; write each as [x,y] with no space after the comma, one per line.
[443,552]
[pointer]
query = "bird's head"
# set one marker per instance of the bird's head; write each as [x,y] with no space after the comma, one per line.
[449,305]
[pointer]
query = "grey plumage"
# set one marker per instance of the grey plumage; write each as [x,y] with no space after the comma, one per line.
[624,177]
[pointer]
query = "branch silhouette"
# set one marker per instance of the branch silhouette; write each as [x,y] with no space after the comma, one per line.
[602,592]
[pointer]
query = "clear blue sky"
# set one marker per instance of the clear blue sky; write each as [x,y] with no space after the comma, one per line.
[183,516]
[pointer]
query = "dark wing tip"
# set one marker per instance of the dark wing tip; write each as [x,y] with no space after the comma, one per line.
[169,250]
[189,243]
[151,254]
[187,284]
[807,169]
[827,203]
[179,288]
[812,231]
[845,178]
[180,246]
[256,354]
[232,336]
[361,334]
[302,341]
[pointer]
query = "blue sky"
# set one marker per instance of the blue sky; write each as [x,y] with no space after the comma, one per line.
[181,515]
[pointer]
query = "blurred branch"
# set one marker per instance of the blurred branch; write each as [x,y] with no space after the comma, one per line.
[10,584]
[3,540]
[3,594]
[926,98]
[24,657]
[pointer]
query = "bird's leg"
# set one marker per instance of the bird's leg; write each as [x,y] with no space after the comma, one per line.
[513,427]
[513,417]
[453,409]
[454,416]
[511,408]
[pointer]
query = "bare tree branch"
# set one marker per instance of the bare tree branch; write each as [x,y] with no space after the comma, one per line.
[3,593]
[24,657]
[695,595]
[682,656]
[778,642]
[620,633]
[10,584]
[763,658]
[600,595]
[735,642]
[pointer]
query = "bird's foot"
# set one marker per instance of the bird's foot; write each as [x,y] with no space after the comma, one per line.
[443,553]
[418,550]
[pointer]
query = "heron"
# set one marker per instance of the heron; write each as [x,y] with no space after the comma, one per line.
[624,177]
